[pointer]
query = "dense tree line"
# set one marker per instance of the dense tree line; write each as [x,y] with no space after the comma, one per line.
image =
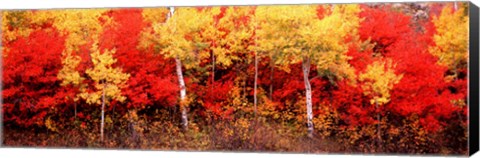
[375,78]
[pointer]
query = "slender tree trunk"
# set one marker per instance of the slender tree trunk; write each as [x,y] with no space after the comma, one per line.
[213,78]
[378,128]
[255,86]
[244,88]
[113,117]
[213,70]
[271,79]
[183,93]
[102,124]
[308,93]
[75,106]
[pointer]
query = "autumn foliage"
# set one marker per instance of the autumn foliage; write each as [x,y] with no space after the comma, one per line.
[33,66]
[382,78]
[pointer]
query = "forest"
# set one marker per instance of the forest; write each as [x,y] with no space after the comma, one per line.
[319,78]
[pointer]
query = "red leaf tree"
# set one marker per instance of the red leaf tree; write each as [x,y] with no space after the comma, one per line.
[30,85]
[152,80]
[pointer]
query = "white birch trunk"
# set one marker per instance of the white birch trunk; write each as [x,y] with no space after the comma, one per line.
[183,92]
[102,124]
[308,93]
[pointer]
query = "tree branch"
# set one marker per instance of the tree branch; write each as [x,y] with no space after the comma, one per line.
[318,76]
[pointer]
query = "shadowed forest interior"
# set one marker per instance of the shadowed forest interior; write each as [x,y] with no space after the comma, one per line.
[329,78]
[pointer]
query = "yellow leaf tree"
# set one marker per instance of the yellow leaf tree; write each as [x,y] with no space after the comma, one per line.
[378,80]
[295,34]
[20,24]
[451,38]
[232,36]
[179,38]
[153,16]
[19,21]
[81,28]
[108,81]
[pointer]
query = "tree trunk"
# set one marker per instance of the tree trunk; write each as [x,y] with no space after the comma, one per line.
[213,70]
[75,106]
[213,77]
[113,117]
[308,93]
[255,99]
[378,128]
[255,86]
[183,93]
[271,80]
[102,124]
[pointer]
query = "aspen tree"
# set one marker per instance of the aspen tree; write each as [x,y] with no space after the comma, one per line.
[379,80]
[81,27]
[451,39]
[295,34]
[108,82]
[179,38]
[233,37]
